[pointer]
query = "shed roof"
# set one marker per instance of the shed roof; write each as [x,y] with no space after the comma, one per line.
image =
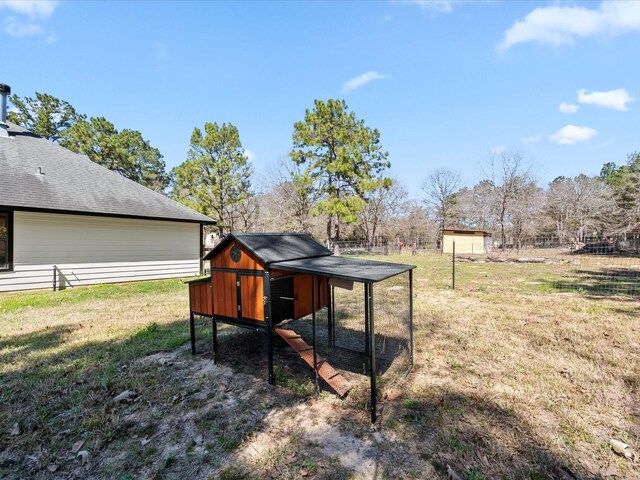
[462,231]
[353,269]
[275,247]
[72,183]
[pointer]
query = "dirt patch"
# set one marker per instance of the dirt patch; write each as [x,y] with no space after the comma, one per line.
[221,422]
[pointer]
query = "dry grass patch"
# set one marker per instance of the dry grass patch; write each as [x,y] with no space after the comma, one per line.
[510,381]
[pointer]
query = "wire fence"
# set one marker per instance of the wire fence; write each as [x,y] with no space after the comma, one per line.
[598,266]
[344,341]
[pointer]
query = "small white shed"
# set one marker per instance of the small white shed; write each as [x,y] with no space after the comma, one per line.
[466,241]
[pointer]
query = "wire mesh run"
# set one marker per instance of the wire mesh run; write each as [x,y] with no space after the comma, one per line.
[343,340]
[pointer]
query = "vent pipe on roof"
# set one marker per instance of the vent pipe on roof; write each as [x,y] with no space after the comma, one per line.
[5,90]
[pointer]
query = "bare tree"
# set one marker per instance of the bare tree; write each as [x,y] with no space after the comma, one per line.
[383,205]
[506,171]
[288,199]
[440,189]
[244,214]
[579,206]
[473,206]
[523,213]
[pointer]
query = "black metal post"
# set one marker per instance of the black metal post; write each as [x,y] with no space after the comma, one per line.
[453,270]
[330,313]
[333,315]
[200,261]
[366,319]
[411,317]
[266,288]
[214,335]
[192,329]
[372,358]
[55,268]
[313,322]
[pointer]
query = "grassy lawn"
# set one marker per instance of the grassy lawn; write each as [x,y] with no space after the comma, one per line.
[514,377]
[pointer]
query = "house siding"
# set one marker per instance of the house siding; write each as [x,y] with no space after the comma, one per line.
[89,250]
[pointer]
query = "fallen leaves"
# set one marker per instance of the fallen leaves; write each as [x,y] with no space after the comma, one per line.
[77,446]
[610,471]
[392,394]
[84,455]
[127,396]
[451,474]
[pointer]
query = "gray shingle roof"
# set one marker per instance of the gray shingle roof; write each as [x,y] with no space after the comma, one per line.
[73,183]
[275,247]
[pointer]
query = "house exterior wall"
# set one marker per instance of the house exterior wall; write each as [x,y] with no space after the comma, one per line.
[473,243]
[90,250]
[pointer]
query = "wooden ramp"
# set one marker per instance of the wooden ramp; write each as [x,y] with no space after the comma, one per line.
[330,375]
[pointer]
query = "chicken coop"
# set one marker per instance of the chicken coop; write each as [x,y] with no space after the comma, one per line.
[278,283]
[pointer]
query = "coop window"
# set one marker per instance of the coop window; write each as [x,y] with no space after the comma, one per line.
[6,241]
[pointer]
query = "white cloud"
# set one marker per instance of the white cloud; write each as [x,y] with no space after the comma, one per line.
[572,134]
[361,80]
[561,25]
[606,143]
[498,150]
[16,28]
[533,139]
[249,154]
[568,108]
[437,6]
[31,8]
[616,99]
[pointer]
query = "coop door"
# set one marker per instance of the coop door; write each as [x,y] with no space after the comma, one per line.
[225,294]
[251,297]
[282,299]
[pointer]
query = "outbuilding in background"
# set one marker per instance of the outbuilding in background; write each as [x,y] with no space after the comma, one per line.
[467,241]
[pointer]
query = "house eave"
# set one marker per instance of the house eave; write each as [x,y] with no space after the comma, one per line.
[104,214]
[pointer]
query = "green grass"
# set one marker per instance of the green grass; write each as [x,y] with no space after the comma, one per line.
[284,378]
[514,377]
[75,296]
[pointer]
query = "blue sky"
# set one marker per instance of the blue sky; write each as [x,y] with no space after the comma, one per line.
[445,82]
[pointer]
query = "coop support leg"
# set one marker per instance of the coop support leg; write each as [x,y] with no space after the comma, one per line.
[366,319]
[372,347]
[330,314]
[214,339]
[411,317]
[315,346]
[192,331]
[266,288]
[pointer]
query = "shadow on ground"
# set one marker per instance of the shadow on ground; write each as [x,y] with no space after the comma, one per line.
[600,283]
[190,419]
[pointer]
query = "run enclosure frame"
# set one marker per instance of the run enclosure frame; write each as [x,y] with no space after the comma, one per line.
[321,268]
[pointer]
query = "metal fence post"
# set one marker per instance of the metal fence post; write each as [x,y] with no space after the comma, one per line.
[453,268]
[315,346]
[411,317]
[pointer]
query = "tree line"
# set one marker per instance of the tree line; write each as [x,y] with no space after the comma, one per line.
[335,182]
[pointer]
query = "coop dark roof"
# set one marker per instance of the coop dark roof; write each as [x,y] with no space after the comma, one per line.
[38,174]
[347,268]
[275,247]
